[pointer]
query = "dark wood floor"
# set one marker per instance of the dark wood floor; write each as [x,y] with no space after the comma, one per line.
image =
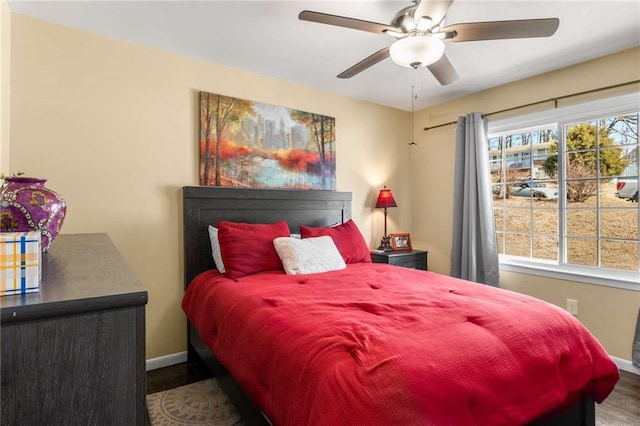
[621,408]
[175,376]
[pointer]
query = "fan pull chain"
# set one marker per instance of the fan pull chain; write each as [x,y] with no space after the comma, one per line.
[414,96]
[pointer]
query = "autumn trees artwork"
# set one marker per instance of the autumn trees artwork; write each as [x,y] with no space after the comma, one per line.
[256,145]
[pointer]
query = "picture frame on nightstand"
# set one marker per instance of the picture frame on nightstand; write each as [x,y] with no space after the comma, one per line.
[401,242]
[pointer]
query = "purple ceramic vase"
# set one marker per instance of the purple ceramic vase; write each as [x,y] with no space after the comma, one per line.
[28,206]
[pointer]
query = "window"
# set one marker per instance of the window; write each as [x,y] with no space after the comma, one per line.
[565,190]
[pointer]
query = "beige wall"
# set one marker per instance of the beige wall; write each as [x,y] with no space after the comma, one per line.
[609,313]
[5,60]
[114,128]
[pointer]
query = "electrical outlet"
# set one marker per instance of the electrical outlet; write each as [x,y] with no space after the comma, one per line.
[572,306]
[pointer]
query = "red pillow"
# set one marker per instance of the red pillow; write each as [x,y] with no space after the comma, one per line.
[248,248]
[347,238]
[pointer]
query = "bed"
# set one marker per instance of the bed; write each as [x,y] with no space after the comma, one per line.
[293,400]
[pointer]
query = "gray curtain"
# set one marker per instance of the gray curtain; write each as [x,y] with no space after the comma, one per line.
[474,254]
[635,357]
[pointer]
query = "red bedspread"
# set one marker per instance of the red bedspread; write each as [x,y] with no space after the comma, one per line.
[375,344]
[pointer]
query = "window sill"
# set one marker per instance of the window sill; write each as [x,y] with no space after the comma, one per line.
[627,280]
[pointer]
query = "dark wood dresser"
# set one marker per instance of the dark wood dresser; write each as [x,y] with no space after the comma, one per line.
[74,353]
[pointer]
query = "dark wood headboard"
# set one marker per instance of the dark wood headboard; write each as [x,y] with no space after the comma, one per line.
[207,205]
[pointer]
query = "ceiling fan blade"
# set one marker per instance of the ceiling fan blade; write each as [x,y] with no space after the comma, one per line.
[343,21]
[366,63]
[496,30]
[434,9]
[443,71]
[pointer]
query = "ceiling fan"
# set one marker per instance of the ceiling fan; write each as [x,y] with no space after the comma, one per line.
[420,33]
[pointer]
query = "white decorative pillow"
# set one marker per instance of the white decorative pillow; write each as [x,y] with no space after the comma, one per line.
[215,249]
[309,255]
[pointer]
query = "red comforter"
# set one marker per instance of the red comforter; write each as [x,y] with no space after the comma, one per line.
[375,344]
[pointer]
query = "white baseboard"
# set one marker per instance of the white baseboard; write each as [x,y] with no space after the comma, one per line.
[168,360]
[625,365]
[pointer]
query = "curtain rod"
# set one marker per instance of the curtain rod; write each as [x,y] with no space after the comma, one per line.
[555,100]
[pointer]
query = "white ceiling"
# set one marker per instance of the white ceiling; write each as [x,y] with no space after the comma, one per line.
[267,38]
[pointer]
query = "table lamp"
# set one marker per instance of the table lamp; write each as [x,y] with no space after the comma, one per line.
[385,200]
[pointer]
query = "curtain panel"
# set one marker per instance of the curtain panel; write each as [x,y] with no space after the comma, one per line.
[635,356]
[474,254]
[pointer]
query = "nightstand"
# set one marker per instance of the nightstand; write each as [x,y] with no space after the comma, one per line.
[416,259]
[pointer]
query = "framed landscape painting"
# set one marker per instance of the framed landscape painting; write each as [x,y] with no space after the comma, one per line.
[256,145]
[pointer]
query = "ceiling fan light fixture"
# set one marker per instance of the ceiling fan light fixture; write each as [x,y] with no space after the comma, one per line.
[424,24]
[405,21]
[416,52]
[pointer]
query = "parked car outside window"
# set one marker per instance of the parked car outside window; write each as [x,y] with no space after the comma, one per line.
[532,188]
[627,185]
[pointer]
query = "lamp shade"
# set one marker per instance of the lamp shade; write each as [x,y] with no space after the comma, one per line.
[417,51]
[385,199]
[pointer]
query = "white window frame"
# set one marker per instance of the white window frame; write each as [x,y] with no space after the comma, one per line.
[620,105]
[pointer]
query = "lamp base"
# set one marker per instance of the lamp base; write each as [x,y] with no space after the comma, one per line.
[385,244]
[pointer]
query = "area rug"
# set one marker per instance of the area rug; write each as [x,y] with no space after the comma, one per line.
[200,403]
